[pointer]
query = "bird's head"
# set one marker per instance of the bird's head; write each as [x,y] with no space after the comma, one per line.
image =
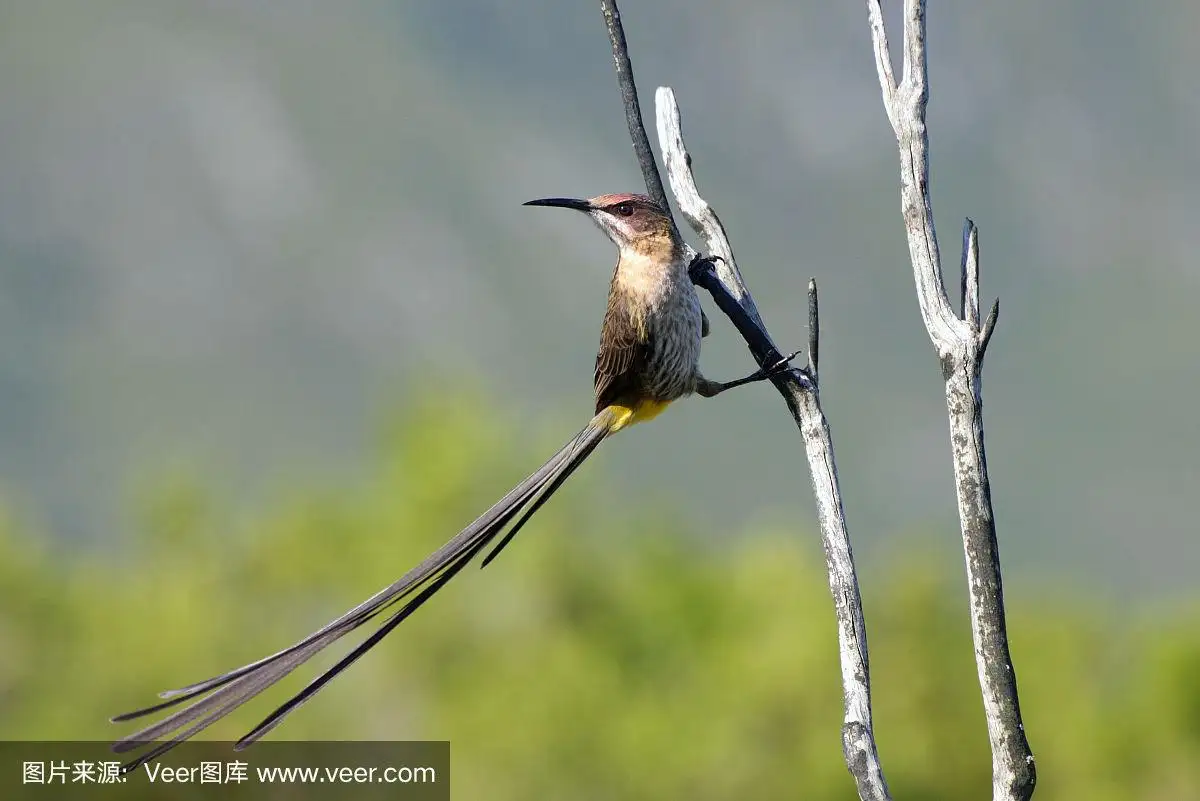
[632,222]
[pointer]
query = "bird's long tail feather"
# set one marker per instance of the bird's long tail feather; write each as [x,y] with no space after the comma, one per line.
[215,698]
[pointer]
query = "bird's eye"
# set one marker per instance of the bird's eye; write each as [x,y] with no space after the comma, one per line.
[625,209]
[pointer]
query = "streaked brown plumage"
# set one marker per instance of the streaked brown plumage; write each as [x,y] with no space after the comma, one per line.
[650,338]
[649,357]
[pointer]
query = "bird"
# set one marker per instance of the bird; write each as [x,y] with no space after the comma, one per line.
[648,358]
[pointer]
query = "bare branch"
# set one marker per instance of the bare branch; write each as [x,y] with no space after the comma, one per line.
[814,329]
[969,309]
[906,112]
[883,58]
[858,734]
[801,392]
[989,325]
[698,213]
[914,51]
[633,109]
[960,343]
[720,276]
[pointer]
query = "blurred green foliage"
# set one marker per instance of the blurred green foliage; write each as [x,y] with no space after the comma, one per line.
[609,656]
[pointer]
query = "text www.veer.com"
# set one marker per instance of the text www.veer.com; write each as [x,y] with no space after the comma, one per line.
[347,775]
[297,775]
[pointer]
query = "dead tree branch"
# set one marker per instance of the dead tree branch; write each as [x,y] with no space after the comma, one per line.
[721,278]
[633,107]
[960,342]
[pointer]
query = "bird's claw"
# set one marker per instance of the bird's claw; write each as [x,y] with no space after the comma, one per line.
[786,361]
[779,367]
[700,259]
[782,366]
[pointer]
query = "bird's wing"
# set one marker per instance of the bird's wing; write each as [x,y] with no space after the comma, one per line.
[621,360]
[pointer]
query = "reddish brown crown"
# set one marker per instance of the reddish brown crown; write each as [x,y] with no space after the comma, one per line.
[605,201]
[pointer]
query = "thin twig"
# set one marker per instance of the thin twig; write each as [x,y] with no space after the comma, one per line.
[969,308]
[960,342]
[633,109]
[989,325]
[883,58]
[814,329]
[720,276]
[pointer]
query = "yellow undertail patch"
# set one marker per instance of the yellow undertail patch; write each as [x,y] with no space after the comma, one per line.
[625,416]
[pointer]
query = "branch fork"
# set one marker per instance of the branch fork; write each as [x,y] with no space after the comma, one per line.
[960,341]
[719,275]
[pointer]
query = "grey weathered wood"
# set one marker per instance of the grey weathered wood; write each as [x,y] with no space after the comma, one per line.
[960,342]
[721,277]
[858,740]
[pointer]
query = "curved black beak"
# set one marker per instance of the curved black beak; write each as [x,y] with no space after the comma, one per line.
[561,202]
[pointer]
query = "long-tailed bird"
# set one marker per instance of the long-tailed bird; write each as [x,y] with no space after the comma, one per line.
[649,357]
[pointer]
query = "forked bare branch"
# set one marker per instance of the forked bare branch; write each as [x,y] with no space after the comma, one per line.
[721,277]
[960,342]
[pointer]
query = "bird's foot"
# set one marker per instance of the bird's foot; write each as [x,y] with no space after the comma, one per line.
[699,261]
[710,389]
[783,365]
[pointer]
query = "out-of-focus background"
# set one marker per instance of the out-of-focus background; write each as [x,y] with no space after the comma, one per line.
[273,324]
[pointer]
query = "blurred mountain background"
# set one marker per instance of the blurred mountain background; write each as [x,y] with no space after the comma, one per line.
[228,230]
[238,239]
